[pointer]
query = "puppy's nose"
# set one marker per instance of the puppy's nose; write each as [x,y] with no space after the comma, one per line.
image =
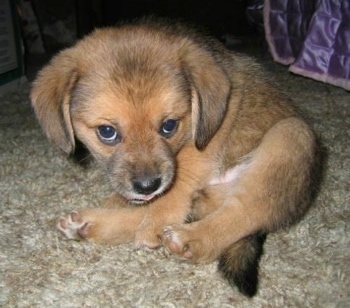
[146,185]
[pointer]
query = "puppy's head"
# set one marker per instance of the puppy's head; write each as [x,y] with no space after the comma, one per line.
[135,96]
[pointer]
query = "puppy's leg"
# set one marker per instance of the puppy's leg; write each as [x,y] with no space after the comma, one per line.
[103,225]
[175,206]
[272,192]
[114,201]
[166,210]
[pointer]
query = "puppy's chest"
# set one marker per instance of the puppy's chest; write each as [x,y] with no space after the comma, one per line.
[230,164]
[217,173]
[230,175]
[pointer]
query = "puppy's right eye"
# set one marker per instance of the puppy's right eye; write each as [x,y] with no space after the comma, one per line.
[108,134]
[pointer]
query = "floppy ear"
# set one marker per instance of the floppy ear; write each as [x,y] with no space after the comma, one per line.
[211,89]
[51,96]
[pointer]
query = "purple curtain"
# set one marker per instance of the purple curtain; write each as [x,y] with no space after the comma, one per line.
[312,36]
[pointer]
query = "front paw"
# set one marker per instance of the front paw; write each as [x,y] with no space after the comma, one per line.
[73,226]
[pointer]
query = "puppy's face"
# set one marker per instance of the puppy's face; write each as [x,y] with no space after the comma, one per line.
[135,96]
[134,127]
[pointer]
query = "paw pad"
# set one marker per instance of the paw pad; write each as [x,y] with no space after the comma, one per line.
[73,227]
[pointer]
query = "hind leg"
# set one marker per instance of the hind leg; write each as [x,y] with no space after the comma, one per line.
[272,192]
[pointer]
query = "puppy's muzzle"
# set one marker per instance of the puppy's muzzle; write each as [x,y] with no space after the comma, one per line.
[146,185]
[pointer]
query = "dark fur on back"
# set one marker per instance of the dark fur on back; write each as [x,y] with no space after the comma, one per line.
[239,264]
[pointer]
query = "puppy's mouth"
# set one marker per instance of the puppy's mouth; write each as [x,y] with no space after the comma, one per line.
[141,199]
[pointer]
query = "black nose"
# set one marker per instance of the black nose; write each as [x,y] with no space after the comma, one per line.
[146,185]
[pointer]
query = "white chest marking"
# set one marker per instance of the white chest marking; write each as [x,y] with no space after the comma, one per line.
[230,175]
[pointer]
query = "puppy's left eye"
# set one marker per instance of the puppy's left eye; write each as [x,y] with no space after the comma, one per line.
[169,128]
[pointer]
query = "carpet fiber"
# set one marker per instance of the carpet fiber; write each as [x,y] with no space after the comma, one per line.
[305,266]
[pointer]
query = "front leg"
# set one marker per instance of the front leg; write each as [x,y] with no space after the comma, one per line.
[176,204]
[166,210]
[108,226]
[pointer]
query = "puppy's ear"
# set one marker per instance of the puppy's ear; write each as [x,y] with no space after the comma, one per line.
[51,96]
[210,94]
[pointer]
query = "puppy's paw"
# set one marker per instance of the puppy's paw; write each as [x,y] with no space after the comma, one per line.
[189,243]
[73,226]
[174,240]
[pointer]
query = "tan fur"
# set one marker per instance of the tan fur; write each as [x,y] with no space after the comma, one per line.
[133,78]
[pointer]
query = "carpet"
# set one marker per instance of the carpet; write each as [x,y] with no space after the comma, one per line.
[307,265]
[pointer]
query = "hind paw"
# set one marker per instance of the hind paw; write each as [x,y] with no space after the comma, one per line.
[189,241]
[175,243]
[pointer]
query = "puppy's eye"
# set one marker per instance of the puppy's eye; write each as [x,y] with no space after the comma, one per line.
[169,128]
[108,134]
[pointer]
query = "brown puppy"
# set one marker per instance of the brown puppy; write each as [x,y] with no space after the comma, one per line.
[186,127]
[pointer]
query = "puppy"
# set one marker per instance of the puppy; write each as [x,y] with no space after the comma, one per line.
[204,155]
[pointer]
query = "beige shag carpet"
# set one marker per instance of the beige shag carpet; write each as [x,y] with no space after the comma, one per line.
[305,266]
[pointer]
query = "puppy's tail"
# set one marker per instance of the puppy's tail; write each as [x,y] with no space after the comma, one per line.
[239,264]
